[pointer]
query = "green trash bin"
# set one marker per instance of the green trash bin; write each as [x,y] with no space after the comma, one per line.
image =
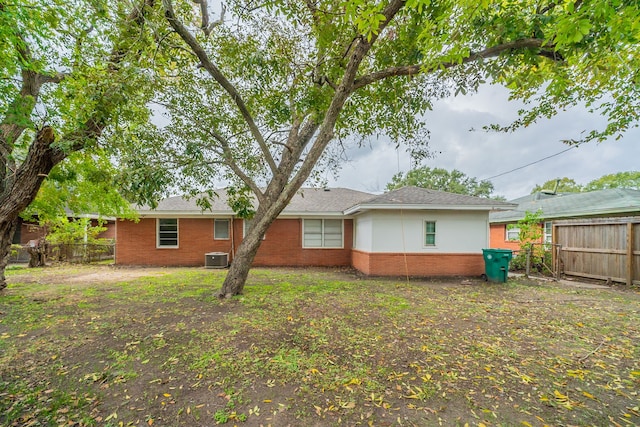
[496,264]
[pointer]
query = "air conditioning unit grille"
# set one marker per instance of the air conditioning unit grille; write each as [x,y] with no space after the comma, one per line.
[216,260]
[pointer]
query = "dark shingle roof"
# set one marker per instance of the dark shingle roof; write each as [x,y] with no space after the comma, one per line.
[614,201]
[306,200]
[338,201]
[422,198]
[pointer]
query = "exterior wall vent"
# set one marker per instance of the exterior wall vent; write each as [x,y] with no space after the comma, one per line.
[216,260]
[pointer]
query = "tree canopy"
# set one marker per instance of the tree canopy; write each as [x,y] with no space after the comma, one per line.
[86,182]
[74,74]
[628,179]
[442,180]
[559,185]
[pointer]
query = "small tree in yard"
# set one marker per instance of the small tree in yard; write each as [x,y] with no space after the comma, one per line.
[272,91]
[530,237]
[65,234]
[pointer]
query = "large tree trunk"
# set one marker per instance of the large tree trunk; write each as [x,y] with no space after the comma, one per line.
[17,190]
[7,228]
[16,197]
[276,198]
[240,266]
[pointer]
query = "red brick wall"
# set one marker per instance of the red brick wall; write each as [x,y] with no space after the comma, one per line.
[498,236]
[282,246]
[30,232]
[136,243]
[109,233]
[393,264]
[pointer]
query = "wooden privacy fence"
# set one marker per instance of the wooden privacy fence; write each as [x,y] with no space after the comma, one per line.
[74,252]
[600,248]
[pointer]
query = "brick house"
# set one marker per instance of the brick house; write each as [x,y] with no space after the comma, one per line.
[410,231]
[555,206]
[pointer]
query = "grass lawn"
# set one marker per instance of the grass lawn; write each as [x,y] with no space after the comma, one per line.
[117,347]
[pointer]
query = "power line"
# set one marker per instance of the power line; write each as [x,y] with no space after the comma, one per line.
[529,164]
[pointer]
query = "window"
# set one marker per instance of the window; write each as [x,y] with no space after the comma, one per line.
[167,233]
[322,233]
[548,230]
[513,233]
[221,229]
[429,233]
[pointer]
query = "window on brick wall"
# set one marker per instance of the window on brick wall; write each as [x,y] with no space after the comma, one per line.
[513,233]
[221,229]
[167,232]
[322,233]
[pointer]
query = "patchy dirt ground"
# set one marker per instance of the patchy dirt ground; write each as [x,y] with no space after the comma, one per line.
[111,346]
[84,274]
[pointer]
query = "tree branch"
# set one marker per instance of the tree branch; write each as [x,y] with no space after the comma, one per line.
[345,88]
[410,70]
[214,72]
[230,161]
[205,26]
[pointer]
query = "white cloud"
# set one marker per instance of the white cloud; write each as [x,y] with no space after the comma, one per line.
[482,155]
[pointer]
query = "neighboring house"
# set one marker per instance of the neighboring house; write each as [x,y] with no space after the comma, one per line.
[27,231]
[593,204]
[409,231]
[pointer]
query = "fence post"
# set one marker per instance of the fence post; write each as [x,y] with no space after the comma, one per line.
[630,260]
[556,267]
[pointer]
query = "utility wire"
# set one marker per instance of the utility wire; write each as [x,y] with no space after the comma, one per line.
[529,164]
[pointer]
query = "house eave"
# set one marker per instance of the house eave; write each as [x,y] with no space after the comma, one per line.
[310,214]
[229,214]
[184,214]
[369,207]
[635,210]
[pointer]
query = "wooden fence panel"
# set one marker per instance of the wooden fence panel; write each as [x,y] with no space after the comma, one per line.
[600,248]
[635,272]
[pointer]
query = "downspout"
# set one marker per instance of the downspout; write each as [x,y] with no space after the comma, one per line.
[404,246]
[233,241]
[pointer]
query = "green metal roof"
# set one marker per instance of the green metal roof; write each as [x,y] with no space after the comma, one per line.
[615,201]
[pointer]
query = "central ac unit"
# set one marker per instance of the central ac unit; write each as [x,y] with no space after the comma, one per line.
[216,260]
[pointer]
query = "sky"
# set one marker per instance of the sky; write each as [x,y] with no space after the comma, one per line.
[483,155]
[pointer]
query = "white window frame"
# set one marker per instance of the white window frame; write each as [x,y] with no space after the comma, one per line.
[158,245]
[322,233]
[511,230]
[424,234]
[548,237]
[228,229]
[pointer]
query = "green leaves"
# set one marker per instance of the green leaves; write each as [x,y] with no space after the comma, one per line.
[442,180]
[628,179]
[83,183]
[366,17]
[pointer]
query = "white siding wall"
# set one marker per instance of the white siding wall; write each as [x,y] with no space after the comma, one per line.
[363,230]
[456,231]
